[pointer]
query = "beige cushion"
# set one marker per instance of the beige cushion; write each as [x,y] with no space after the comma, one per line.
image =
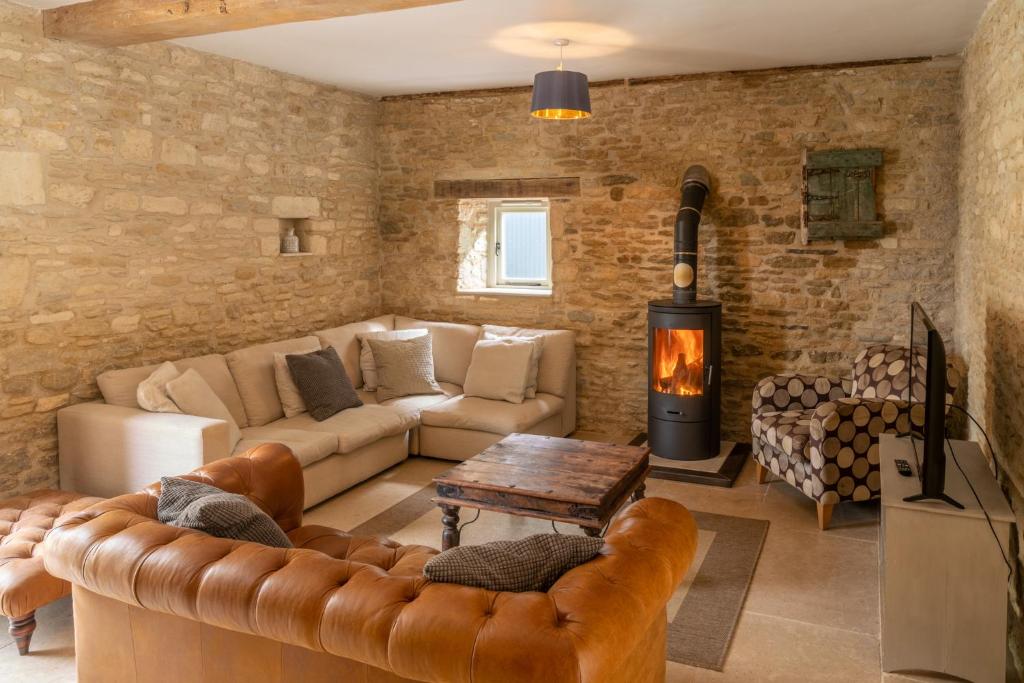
[367,366]
[307,446]
[194,396]
[291,399]
[538,350]
[413,405]
[498,417]
[119,387]
[152,391]
[253,370]
[355,427]
[557,362]
[452,346]
[500,369]
[404,367]
[345,341]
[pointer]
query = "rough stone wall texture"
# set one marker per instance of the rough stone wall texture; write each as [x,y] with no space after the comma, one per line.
[787,306]
[990,264]
[139,190]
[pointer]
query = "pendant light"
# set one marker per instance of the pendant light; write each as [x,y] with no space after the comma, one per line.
[560,94]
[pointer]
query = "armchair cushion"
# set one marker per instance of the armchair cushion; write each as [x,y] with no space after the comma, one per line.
[881,371]
[795,392]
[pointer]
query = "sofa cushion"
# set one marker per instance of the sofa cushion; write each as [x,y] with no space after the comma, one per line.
[119,387]
[367,365]
[452,346]
[193,396]
[345,341]
[497,417]
[557,361]
[322,382]
[538,351]
[500,369]
[253,370]
[308,447]
[404,367]
[416,404]
[152,392]
[355,427]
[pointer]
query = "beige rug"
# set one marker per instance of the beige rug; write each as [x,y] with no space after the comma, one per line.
[703,611]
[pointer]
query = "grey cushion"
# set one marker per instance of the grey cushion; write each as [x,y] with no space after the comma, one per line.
[530,564]
[322,382]
[194,505]
[404,367]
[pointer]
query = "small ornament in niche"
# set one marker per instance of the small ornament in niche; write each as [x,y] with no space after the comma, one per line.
[290,241]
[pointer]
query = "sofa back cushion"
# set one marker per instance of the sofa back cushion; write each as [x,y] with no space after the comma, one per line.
[345,341]
[452,346]
[253,370]
[119,387]
[557,361]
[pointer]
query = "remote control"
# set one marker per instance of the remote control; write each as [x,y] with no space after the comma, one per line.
[903,467]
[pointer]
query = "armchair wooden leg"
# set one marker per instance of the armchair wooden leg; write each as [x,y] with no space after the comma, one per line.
[21,630]
[761,472]
[824,515]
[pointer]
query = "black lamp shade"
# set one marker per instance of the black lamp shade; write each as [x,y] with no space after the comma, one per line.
[560,95]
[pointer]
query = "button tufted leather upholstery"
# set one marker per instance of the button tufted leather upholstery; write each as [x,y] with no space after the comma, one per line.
[338,603]
[24,522]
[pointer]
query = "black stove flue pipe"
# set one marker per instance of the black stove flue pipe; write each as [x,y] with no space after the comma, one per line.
[696,185]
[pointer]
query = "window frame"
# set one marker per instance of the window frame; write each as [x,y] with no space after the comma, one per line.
[496,258]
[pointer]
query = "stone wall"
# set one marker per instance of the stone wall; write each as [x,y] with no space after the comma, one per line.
[140,191]
[788,306]
[990,265]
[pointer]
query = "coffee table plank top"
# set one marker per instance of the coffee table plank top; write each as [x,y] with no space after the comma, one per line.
[546,467]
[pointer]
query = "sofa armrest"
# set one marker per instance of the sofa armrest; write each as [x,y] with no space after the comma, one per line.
[585,625]
[108,450]
[795,392]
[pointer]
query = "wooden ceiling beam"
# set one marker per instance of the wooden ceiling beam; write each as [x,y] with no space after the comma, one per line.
[113,23]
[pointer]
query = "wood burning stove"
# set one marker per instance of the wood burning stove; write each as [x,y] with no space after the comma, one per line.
[684,347]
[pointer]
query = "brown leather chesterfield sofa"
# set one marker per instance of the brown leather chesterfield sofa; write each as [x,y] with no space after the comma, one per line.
[159,603]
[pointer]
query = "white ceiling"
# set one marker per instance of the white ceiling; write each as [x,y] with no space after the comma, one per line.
[497,43]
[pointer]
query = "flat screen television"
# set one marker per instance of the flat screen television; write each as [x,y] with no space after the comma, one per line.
[928,400]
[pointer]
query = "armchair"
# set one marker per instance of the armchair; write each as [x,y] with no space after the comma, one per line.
[821,434]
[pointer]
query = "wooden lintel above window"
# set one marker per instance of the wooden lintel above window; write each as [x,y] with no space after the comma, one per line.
[507,188]
[112,23]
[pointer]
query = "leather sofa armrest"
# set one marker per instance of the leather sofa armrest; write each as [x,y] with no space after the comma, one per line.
[108,450]
[786,392]
[590,619]
[268,475]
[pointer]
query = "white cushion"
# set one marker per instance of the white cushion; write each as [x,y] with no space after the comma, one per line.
[500,369]
[253,370]
[355,427]
[452,345]
[538,350]
[119,387]
[194,396]
[367,366]
[291,400]
[557,363]
[308,447]
[152,391]
[345,341]
[497,417]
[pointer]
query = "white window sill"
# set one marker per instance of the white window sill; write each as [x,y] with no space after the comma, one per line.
[507,291]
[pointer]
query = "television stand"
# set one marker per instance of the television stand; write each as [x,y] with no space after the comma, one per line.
[944,586]
[941,498]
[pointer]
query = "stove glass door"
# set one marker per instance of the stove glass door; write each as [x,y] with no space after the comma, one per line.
[677,364]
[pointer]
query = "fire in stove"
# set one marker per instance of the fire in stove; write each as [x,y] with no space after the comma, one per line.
[678,363]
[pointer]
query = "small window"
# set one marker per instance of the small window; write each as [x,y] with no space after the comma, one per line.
[520,245]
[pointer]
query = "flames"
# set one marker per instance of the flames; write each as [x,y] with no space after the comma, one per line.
[678,363]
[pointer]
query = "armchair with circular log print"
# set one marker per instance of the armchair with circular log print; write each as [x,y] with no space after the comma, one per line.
[821,434]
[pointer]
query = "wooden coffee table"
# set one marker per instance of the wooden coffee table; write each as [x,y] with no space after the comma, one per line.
[564,480]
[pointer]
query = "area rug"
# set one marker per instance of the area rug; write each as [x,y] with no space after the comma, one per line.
[702,613]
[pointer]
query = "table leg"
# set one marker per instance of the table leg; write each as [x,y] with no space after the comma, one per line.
[593,533]
[641,490]
[450,520]
[21,630]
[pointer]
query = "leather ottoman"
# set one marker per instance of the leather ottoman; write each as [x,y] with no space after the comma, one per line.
[25,585]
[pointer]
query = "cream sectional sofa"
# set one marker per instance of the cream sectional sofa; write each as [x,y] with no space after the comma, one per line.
[113,447]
